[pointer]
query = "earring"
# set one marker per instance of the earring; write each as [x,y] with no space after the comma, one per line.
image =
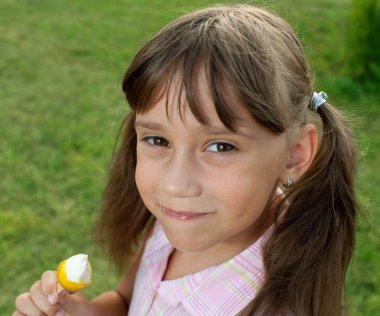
[289,183]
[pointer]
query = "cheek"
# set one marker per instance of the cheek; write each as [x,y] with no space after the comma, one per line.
[247,195]
[145,179]
[247,189]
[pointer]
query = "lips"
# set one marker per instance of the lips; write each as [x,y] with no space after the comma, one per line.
[184,216]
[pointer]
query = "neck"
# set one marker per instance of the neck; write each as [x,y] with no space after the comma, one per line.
[182,263]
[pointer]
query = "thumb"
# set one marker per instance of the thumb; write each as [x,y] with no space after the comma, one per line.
[75,304]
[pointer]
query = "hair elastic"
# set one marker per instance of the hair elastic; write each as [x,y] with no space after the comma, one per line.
[317,100]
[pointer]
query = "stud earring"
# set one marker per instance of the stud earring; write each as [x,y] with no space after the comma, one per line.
[289,183]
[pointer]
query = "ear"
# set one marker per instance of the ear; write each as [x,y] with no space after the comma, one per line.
[302,150]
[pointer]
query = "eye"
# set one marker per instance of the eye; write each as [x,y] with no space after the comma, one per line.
[220,147]
[156,141]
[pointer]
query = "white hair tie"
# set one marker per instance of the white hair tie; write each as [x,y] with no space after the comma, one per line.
[317,100]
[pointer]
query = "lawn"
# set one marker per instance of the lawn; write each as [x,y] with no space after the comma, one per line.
[61,65]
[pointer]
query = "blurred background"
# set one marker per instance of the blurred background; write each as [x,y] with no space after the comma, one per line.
[61,66]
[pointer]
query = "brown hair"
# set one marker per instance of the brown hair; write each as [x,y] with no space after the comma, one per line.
[257,54]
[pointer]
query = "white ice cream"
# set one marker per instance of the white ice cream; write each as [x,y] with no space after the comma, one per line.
[78,269]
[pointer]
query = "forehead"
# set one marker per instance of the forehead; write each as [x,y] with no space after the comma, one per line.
[165,117]
[176,96]
[165,113]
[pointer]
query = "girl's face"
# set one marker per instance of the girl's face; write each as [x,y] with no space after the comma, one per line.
[208,186]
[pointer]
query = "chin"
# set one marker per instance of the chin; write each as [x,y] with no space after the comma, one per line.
[186,244]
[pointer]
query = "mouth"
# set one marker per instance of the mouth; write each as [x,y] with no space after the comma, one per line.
[182,216]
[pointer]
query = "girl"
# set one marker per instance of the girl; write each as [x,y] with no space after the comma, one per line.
[235,202]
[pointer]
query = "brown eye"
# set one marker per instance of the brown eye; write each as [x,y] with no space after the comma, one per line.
[220,147]
[157,141]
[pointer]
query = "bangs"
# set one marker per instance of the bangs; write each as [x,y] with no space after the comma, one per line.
[229,59]
[158,80]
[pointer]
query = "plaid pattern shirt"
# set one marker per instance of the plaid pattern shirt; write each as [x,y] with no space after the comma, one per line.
[224,289]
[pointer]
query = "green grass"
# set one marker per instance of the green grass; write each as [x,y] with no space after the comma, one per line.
[61,65]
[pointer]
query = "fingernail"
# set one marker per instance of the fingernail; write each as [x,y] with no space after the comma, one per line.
[59,313]
[52,299]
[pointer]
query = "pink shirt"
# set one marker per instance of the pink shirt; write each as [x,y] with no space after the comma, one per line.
[224,289]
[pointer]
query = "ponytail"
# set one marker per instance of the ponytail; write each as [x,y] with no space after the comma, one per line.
[307,256]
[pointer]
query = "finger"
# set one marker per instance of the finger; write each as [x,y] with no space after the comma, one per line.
[25,305]
[17,313]
[41,300]
[75,303]
[49,286]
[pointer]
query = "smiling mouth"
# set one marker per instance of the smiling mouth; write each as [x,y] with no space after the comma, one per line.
[183,216]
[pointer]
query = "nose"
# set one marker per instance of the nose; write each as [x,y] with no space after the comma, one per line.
[181,177]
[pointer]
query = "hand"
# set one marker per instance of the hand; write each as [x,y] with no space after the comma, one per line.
[46,297]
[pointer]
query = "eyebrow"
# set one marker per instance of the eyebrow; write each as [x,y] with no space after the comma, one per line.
[149,125]
[213,130]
